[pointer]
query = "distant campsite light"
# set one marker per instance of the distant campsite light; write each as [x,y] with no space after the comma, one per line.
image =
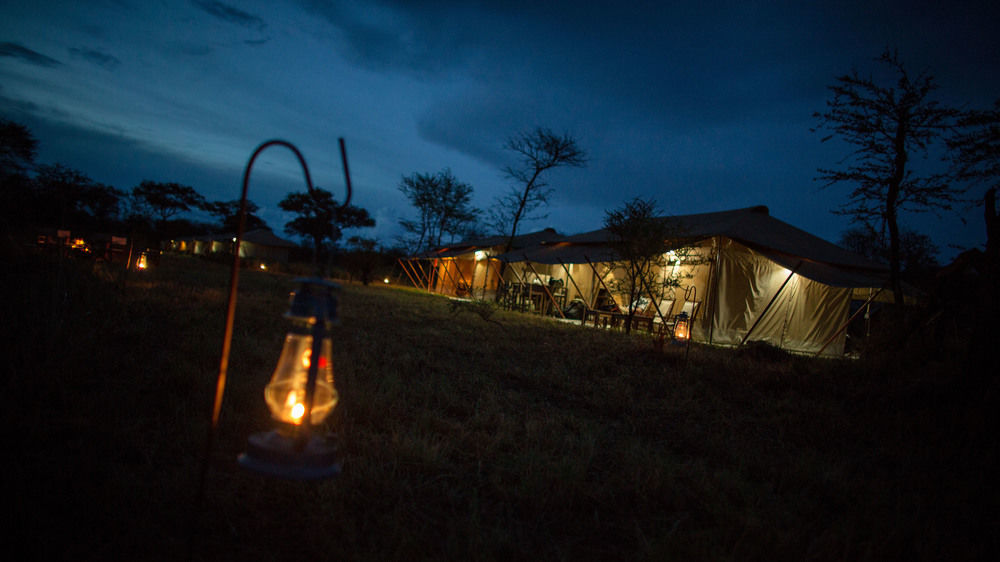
[142,262]
[386,280]
[263,267]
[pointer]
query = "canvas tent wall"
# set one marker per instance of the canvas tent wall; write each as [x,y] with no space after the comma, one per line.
[762,279]
[469,268]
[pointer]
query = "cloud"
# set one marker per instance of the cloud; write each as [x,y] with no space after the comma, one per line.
[103,60]
[27,55]
[228,13]
[422,39]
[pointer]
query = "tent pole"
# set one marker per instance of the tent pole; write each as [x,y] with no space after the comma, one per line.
[454,285]
[424,275]
[848,323]
[583,319]
[523,281]
[407,271]
[486,275]
[546,288]
[769,304]
[499,275]
[713,288]
[599,278]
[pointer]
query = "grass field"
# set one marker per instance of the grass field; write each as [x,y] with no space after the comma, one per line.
[463,439]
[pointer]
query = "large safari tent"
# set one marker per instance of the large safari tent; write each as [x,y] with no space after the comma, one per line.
[746,277]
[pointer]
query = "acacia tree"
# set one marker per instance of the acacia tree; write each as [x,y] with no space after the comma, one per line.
[319,217]
[538,150]
[887,123]
[363,257]
[18,148]
[228,215]
[916,251]
[976,158]
[443,204]
[161,201]
[68,197]
[641,239]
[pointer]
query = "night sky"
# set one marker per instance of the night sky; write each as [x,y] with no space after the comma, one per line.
[703,106]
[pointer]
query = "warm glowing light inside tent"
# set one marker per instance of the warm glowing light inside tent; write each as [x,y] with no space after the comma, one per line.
[480,255]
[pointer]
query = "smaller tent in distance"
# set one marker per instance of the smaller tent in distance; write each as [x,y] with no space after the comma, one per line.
[468,268]
[261,245]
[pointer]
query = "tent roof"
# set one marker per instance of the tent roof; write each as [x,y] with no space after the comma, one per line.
[265,237]
[753,227]
[260,236]
[466,246]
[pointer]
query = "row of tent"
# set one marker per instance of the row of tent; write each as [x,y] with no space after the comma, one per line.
[756,278]
[260,244]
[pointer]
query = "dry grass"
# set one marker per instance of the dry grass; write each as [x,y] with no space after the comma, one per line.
[470,440]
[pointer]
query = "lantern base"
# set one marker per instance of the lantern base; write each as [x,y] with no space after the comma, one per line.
[276,454]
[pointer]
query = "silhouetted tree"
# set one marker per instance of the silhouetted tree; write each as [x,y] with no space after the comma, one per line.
[444,207]
[319,217]
[916,251]
[363,257]
[538,150]
[976,159]
[641,238]
[69,198]
[887,123]
[227,213]
[160,202]
[976,156]
[18,149]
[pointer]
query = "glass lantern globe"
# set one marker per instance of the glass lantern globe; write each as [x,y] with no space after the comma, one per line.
[286,393]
